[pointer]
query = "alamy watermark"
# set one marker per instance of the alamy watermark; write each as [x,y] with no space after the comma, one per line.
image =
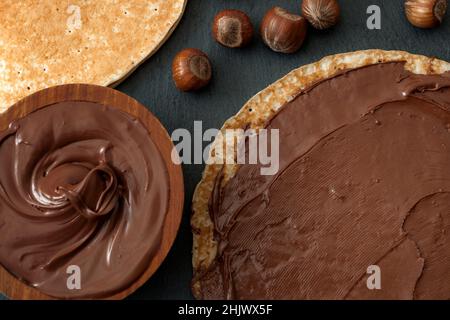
[74,21]
[374,19]
[74,277]
[230,146]
[374,280]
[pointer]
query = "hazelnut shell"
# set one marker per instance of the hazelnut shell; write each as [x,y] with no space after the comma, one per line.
[191,70]
[321,14]
[425,13]
[232,28]
[282,31]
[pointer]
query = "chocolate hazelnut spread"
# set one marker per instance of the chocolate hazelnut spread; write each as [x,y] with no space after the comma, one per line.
[364,180]
[81,184]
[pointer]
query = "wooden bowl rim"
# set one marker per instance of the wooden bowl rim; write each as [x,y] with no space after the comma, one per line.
[14,288]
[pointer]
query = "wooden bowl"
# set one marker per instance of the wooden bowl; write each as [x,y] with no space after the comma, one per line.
[12,287]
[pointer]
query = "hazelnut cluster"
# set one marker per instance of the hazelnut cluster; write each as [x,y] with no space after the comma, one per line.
[281,31]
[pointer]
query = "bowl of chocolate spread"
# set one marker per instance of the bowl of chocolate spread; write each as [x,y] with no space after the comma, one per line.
[90,200]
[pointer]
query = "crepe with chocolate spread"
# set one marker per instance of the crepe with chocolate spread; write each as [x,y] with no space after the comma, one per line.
[363,184]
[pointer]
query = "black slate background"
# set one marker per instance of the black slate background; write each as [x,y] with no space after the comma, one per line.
[241,73]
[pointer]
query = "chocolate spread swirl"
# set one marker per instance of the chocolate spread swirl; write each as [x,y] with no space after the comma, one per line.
[80,184]
[364,180]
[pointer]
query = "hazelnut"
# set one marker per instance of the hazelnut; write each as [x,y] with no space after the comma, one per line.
[425,13]
[321,14]
[191,70]
[232,28]
[282,31]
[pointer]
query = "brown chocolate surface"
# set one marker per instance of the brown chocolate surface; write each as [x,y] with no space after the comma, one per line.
[80,184]
[364,180]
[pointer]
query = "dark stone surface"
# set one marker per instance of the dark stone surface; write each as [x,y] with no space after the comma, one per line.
[241,73]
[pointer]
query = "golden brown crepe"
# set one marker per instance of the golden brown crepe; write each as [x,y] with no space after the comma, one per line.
[47,43]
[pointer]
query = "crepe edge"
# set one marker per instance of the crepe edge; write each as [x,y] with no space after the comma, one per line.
[118,80]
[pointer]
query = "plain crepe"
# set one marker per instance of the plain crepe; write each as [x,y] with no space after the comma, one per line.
[48,43]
